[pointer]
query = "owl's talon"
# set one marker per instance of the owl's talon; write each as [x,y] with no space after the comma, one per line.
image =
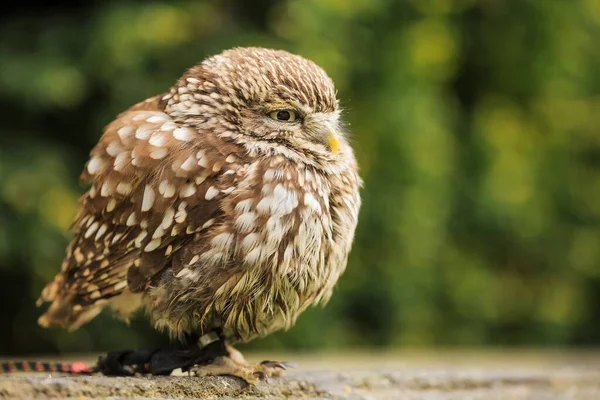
[274,364]
[269,367]
[261,376]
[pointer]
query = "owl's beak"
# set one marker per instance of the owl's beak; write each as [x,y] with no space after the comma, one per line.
[332,140]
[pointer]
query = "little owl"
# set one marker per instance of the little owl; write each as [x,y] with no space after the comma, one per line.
[224,207]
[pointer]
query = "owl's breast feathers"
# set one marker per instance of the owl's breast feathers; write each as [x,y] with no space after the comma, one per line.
[202,231]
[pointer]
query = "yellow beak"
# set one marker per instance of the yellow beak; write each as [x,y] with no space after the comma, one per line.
[332,141]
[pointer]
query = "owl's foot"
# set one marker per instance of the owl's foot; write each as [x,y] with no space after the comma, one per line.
[269,368]
[226,366]
[252,374]
[234,364]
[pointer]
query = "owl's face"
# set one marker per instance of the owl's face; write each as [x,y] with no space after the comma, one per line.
[269,96]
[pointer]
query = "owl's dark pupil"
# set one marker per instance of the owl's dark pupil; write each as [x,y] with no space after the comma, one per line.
[283,115]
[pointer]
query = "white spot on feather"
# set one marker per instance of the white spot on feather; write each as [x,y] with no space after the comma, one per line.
[112,203]
[121,160]
[101,231]
[185,272]
[106,189]
[158,139]
[253,256]
[153,245]
[144,132]
[208,223]
[140,116]
[212,256]
[243,206]
[148,198]
[311,201]
[132,220]
[281,202]
[187,190]
[250,241]
[139,238]
[222,241]
[211,193]
[124,188]
[157,118]
[203,161]
[189,163]
[167,218]
[181,214]
[245,222]
[166,189]
[159,153]
[272,174]
[184,134]
[90,231]
[95,165]
[168,126]
[116,238]
[113,149]
[125,132]
[158,233]
[95,295]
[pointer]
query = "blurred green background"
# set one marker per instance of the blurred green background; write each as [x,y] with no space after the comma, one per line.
[476,125]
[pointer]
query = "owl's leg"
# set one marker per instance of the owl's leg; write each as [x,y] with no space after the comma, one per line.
[234,364]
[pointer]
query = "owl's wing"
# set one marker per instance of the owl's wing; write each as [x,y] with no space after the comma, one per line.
[155,185]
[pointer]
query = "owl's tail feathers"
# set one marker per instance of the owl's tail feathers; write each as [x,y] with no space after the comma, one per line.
[63,311]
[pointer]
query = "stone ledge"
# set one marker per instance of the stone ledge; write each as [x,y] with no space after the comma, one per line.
[404,382]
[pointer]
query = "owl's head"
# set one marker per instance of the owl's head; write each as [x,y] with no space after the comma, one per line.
[256,95]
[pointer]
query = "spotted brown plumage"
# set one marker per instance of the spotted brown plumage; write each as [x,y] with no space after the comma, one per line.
[228,203]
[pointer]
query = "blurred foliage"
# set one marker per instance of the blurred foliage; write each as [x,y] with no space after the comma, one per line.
[476,125]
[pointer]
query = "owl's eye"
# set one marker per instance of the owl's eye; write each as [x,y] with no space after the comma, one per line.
[283,115]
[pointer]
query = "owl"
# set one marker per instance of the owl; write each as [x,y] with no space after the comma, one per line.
[223,207]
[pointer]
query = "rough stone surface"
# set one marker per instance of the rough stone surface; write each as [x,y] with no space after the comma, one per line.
[376,377]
